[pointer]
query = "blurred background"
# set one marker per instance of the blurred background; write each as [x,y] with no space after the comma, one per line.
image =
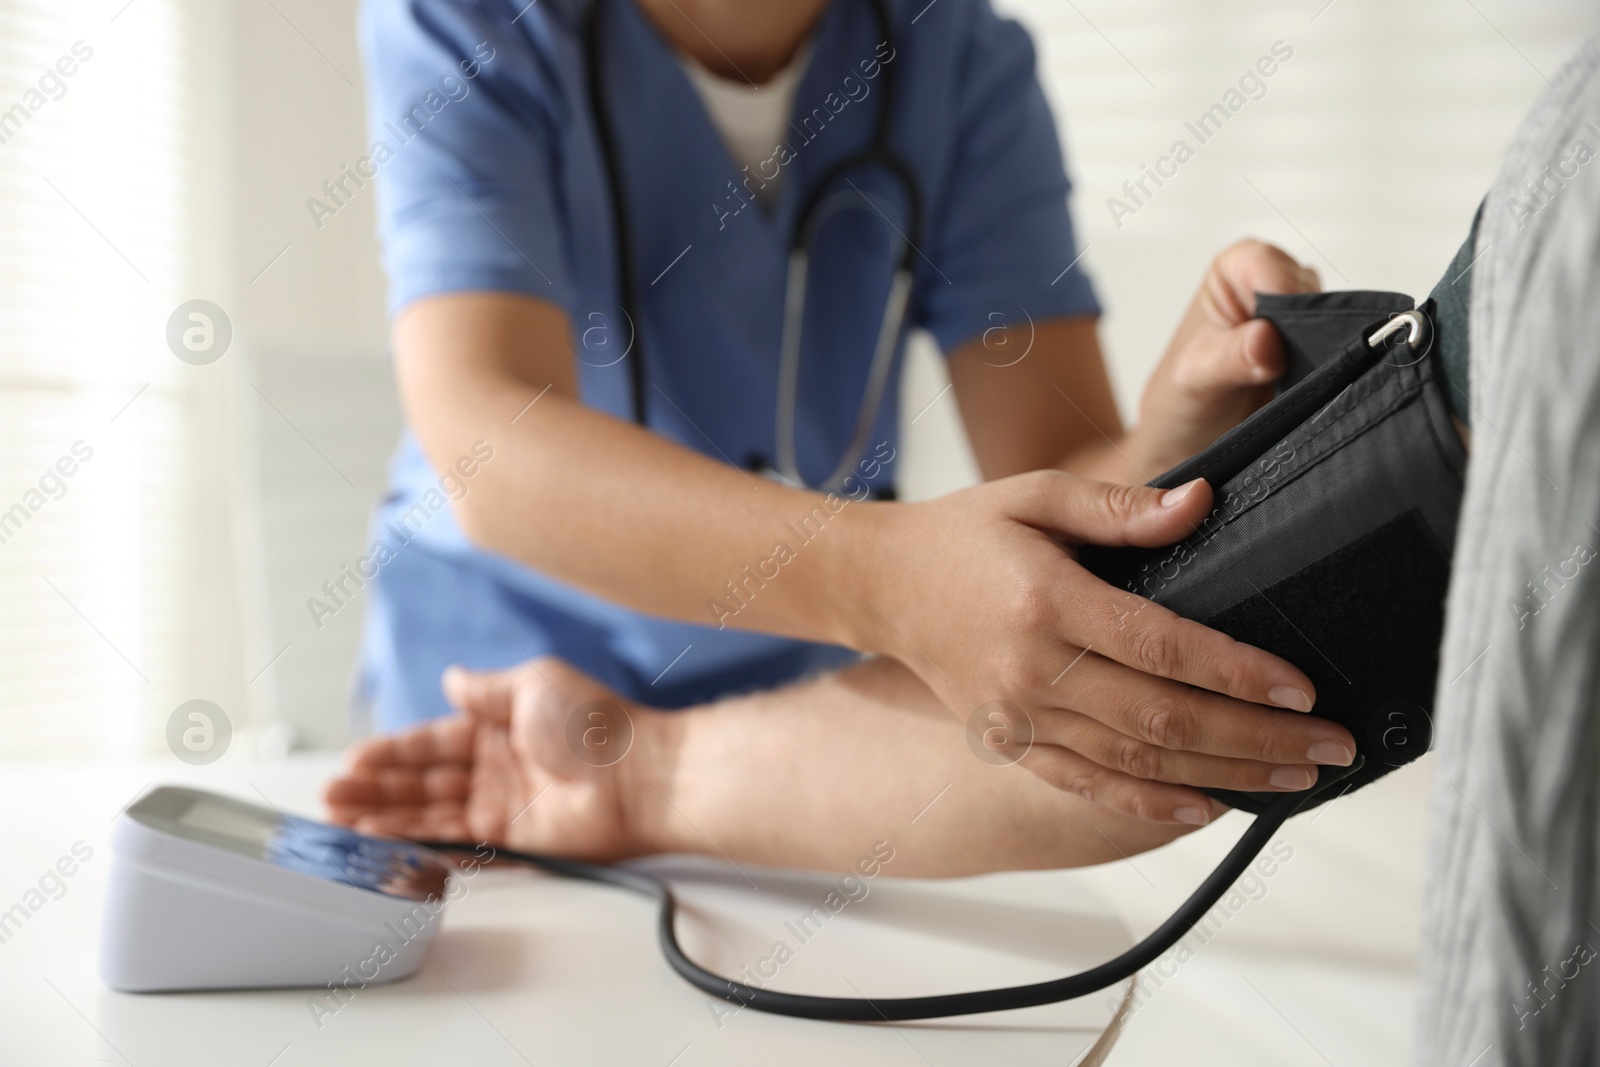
[207,502]
[176,163]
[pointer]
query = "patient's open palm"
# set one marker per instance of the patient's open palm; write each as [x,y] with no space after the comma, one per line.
[497,771]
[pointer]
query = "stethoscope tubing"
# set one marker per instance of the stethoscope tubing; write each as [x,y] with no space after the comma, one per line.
[817,207]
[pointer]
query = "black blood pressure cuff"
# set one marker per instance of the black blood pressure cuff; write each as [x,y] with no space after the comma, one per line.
[1334,520]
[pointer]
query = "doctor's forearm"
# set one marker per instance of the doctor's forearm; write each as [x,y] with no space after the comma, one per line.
[604,505]
[626,515]
[1051,406]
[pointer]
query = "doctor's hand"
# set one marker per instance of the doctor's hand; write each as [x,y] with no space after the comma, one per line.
[1221,363]
[1128,704]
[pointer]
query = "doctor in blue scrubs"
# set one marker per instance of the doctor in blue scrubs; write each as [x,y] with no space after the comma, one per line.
[651,266]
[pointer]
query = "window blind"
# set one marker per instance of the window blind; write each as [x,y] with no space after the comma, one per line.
[92,441]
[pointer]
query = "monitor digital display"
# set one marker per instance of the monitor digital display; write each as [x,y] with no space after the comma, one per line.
[333,853]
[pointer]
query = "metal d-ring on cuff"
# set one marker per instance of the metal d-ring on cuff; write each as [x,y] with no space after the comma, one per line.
[1417,336]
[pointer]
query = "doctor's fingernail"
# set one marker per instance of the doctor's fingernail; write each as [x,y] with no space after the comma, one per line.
[1173,497]
[1292,777]
[1263,368]
[1330,752]
[1291,697]
[1192,816]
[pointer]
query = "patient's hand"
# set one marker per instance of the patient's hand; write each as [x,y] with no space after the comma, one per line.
[500,770]
[1221,363]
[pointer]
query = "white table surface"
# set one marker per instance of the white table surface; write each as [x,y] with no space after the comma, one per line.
[530,969]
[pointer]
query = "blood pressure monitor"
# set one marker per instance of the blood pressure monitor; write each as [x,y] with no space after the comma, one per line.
[211,892]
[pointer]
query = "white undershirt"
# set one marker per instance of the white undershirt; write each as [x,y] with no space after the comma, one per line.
[750,118]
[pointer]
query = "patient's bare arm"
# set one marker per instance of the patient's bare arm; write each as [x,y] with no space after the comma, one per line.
[810,776]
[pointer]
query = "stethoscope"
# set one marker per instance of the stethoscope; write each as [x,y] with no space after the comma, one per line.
[819,206]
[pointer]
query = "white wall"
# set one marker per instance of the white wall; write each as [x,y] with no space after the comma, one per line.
[1365,158]
[1368,154]
[311,307]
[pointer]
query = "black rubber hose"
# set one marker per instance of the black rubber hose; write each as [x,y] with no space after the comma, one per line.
[897,1009]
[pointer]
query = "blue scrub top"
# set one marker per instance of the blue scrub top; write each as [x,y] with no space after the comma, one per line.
[485,152]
